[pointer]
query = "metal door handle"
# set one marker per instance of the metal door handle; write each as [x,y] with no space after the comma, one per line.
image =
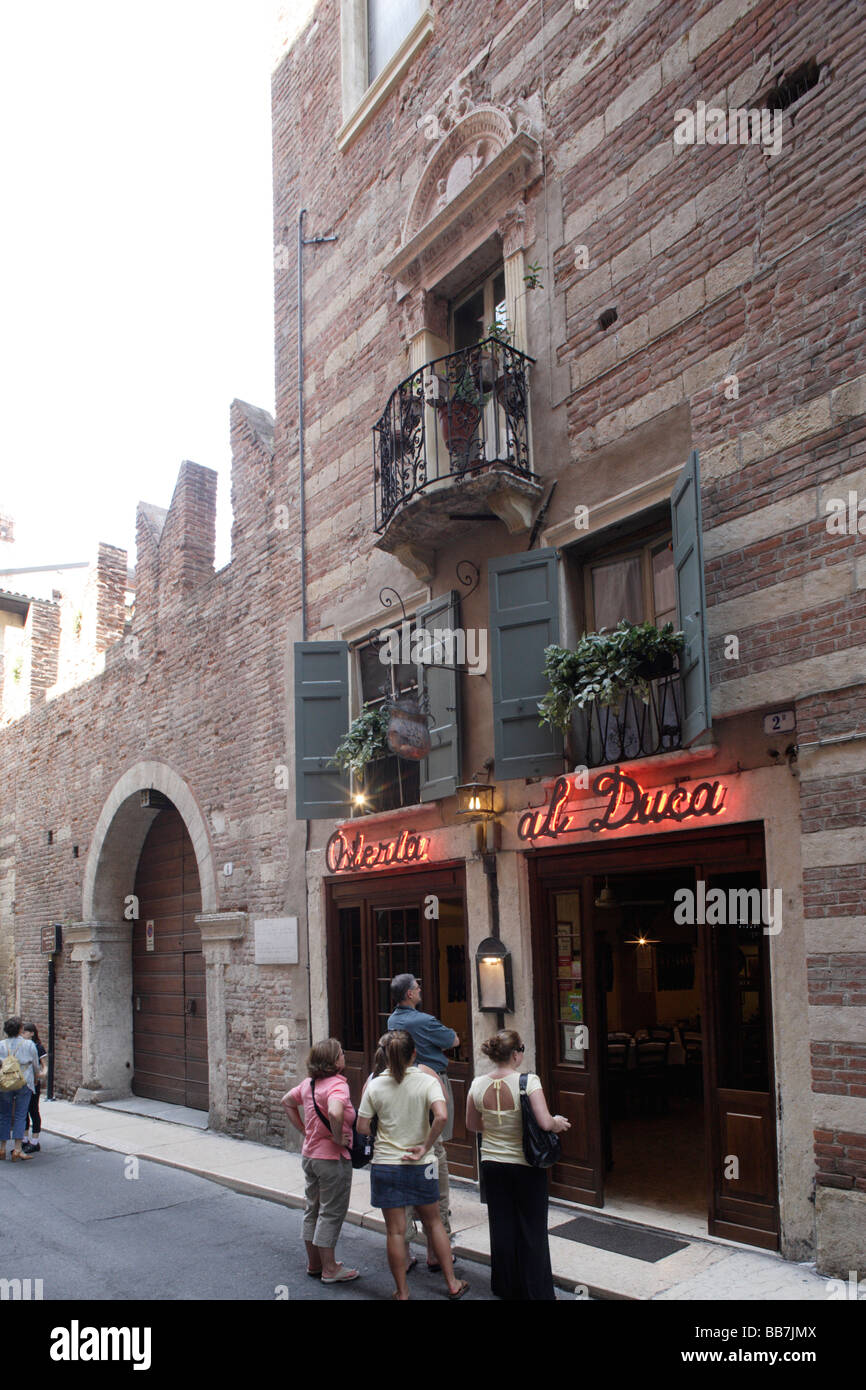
[190,1008]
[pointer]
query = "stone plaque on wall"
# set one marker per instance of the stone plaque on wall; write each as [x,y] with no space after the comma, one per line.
[276,941]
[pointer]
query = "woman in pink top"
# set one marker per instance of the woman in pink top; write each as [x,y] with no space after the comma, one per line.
[328,1115]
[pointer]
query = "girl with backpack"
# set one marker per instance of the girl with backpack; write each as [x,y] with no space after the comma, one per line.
[19,1063]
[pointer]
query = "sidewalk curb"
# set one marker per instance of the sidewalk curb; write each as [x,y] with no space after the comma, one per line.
[710,1270]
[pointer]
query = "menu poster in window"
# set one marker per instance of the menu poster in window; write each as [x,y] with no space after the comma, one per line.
[570,1005]
[570,1051]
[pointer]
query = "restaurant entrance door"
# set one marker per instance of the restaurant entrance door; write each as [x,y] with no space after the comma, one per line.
[389,924]
[653,1023]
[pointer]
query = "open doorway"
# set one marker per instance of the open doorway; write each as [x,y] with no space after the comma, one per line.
[654,1029]
[650,970]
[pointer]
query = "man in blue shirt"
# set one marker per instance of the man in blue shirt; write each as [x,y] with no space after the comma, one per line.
[430,1037]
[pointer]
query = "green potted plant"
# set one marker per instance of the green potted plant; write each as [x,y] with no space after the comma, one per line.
[365,740]
[604,666]
[460,410]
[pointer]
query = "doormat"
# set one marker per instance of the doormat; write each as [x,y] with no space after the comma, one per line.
[634,1241]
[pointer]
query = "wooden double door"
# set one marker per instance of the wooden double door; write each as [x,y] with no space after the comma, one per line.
[168,979]
[401,923]
[733,1038]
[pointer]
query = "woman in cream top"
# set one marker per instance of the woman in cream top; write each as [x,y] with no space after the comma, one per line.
[516,1192]
[502,1121]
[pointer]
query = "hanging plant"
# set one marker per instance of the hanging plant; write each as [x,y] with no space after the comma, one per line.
[365,740]
[604,666]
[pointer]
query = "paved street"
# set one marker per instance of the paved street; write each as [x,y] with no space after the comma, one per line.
[74,1220]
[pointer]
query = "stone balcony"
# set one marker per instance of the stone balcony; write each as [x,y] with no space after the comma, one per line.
[451,449]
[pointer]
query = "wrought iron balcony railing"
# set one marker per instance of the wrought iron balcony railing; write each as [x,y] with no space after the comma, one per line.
[453,417]
[603,735]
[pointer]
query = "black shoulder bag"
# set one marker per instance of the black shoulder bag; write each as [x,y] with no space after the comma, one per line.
[541,1147]
[360,1151]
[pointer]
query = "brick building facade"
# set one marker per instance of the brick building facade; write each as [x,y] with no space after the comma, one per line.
[686,325]
[695,295]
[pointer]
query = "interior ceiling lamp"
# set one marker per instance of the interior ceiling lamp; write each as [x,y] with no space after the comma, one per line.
[608,899]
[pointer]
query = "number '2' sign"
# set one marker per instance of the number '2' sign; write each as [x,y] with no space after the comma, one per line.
[780,722]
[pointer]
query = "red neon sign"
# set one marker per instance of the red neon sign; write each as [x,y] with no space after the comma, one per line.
[342,853]
[553,821]
[628,804]
[633,805]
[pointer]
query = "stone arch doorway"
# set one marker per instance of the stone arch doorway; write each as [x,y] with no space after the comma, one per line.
[102,942]
[169,1017]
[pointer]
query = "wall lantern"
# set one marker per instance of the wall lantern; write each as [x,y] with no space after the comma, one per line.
[475,802]
[475,799]
[494,977]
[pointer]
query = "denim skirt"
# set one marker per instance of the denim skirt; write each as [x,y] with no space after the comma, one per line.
[403,1185]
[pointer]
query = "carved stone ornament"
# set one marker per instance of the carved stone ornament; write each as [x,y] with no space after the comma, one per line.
[479,171]
[422,311]
[456,103]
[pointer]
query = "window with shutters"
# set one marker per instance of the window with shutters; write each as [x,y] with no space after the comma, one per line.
[644,569]
[633,579]
[630,578]
[389,782]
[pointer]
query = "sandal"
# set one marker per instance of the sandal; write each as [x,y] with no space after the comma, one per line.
[314,1273]
[412,1263]
[464,1288]
[395,1298]
[344,1276]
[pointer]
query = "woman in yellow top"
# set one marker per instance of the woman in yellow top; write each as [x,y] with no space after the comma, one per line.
[516,1192]
[411,1112]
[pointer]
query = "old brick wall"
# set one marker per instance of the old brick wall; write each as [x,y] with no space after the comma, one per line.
[201,689]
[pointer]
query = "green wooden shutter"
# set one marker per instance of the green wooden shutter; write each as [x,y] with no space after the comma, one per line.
[440,770]
[321,719]
[691,600]
[524,619]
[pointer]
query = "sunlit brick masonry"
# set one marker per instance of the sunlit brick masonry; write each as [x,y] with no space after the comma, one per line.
[563,368]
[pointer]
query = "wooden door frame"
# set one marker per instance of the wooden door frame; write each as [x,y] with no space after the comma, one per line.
[383,890]
[718,1224]
[564,866]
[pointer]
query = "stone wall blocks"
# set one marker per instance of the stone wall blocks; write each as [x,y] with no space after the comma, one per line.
[635,95]
[797,424]
[654,403]
[848,401]
[728,274]
[673,227]
[638,254]
[590,286]
[676,307]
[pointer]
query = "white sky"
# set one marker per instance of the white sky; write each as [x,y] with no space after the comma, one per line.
[136,255]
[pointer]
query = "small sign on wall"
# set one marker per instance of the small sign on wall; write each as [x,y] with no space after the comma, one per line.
[49,943]
[276,941]
[149,936]
[780,722]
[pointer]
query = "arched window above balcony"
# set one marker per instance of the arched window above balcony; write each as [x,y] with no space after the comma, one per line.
[473,188]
